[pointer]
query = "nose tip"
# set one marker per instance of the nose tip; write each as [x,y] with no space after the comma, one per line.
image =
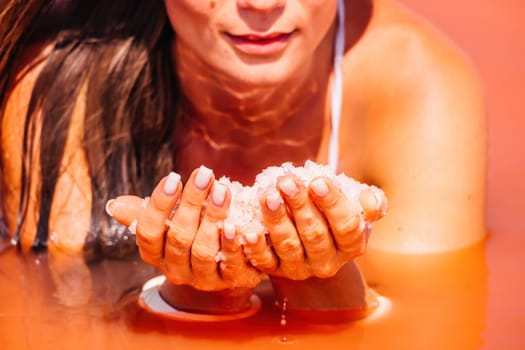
[261,5]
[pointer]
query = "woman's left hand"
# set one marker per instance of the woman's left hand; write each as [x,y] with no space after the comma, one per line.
[313,231]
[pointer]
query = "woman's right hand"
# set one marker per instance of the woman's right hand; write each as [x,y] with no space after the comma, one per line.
[181,231]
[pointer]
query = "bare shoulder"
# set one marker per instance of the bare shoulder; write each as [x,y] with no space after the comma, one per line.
[423,129]
[404,50]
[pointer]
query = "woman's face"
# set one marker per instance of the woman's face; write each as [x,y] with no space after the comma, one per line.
[255,41]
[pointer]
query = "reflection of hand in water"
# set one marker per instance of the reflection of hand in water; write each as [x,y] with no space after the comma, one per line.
[314,231]
[179,231]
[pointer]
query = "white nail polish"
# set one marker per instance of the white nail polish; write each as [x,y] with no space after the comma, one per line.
[274,201]
[133,227]
[108,205]
[381,207]
[220,257]
[203,177]
[289,187]
[251,237]
[218,195]
[229,230]
[171,184]
[145,202]
[319,187]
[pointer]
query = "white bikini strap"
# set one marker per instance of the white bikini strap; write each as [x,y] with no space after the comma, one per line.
[337,87]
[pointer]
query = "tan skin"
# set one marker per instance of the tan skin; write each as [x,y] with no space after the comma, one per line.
[413,124]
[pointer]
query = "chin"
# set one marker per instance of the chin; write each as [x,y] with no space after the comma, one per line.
[264,74]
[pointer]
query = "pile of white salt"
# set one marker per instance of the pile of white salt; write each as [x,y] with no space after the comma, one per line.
[245,211]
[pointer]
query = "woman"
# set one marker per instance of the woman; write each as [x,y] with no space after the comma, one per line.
[131,91]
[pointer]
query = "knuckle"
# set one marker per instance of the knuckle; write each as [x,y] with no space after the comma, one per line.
[178,240]
[194,201]
[330,202]
[298,202]
[314,235]
[288,245]
[215,214]
[263,261]
[348,224]
[201,256]
[145,237]
[324,270]
[353,247]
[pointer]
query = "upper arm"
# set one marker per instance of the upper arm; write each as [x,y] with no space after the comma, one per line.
[428,151]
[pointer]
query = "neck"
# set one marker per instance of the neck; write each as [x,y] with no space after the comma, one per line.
[211,97]
[238,119]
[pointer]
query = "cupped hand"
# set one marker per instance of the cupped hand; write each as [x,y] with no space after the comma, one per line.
[313,230]
[180,230]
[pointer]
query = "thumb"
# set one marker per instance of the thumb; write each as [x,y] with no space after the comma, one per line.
[374,203]
[125,209]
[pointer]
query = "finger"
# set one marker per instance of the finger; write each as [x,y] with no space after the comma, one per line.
[151,225]
[283,236]
[207,241]
[311,225]
[184,224]
[125,209]
[347,225]
[374,203]
[259,252]
[231,257]
[233,266]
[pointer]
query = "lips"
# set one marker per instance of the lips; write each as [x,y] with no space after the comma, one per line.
[261,45]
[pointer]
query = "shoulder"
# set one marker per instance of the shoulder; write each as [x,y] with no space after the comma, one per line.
[418,105]
[400,50]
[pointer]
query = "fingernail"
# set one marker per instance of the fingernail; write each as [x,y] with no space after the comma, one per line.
[220,257]
[274,201]
[171,184]
[289,187]
[133,227]
[319,187]
[381,206]
[203,177]
[229,230]
[145,202]
[108,207]
[251,237]
[219,194]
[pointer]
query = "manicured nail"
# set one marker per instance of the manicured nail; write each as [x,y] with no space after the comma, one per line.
[289,187]
[145,202]
[203,177]
[381,207]
[108,207]
[219,194]
[220,257]
[133,227]
[251,237]
[274,200]
[319,187]
[229,230]
[171,184]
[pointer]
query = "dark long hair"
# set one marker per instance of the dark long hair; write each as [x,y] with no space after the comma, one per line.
[119,51]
